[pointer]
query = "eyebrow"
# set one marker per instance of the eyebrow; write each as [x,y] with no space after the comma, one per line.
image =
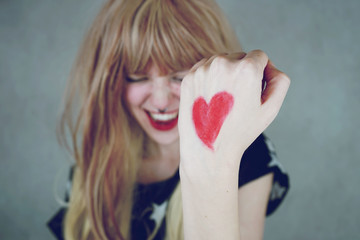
[144,75]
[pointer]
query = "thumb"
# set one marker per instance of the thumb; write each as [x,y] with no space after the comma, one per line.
[276,86]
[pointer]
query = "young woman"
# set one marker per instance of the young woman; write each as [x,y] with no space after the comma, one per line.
[167,132]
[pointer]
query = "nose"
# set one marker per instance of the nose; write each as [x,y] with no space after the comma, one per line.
[161,94]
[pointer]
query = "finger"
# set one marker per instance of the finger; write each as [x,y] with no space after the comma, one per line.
[257,59]
[236,56]
[212,58]
[198,64]
[277,85]
[225,57]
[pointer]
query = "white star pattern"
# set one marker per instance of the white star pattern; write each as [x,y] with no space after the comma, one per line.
[277,191]
[274,160]
[158,214]
[275,163]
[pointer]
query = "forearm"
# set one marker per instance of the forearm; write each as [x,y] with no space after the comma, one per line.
[210,205]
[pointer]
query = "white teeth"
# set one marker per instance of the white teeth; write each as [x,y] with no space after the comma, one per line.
[163,116]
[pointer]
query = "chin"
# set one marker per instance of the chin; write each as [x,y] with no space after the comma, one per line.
[164,137]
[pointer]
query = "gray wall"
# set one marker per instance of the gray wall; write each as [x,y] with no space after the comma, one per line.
[315,42]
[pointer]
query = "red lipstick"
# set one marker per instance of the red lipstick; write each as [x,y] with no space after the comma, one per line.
[162,125]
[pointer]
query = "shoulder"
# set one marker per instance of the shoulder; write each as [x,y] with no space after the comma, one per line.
[255,161]
[55,224]
[259,160]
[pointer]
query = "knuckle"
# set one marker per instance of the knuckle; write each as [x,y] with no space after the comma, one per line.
[248,64]
[197,65]
[219,60]
[260,53]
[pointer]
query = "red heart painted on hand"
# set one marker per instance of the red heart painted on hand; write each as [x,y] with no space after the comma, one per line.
[208,119]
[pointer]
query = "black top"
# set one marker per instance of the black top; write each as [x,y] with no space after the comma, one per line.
[151,200]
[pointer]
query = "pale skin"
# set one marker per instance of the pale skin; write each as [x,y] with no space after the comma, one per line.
[213,206]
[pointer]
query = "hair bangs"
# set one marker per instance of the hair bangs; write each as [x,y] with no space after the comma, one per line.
[171,36]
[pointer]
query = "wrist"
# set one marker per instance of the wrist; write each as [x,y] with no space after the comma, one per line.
[210,203]
[209,180]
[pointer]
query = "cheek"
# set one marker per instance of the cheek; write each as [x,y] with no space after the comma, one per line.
[135,95]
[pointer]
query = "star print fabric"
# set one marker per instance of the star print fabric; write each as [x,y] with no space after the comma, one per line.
[149,210]
[260,159]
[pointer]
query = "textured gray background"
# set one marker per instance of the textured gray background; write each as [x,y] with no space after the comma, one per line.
[315,42]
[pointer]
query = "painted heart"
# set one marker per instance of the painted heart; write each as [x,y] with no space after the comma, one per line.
[209,118]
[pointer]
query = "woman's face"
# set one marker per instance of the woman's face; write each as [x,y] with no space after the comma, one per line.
[153,99]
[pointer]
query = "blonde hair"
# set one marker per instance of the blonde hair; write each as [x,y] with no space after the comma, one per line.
[106,142]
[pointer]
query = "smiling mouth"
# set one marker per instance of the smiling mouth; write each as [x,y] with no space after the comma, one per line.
[163,116]
[163,121]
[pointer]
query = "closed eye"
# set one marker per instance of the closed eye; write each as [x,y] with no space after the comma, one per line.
[135,80]
[179,76]
[178,79]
